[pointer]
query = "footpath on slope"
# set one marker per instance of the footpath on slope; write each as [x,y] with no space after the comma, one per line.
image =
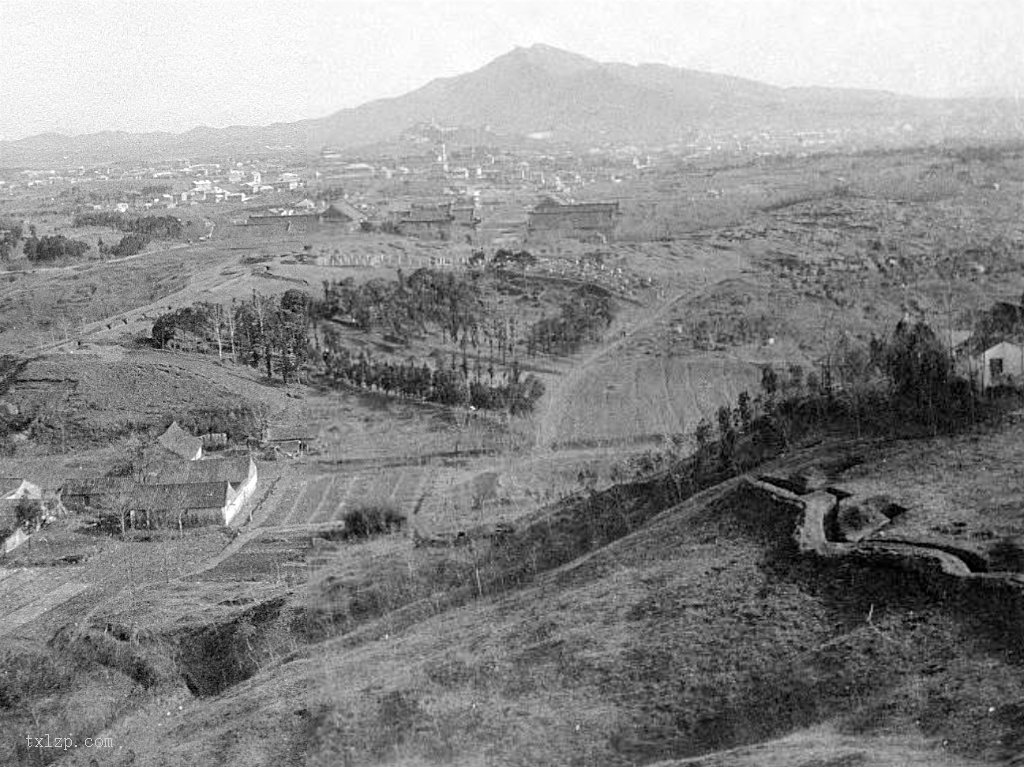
[554,404]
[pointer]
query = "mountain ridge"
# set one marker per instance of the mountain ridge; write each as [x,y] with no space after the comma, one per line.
[577,100]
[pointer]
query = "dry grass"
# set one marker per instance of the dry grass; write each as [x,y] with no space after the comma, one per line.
[697,633]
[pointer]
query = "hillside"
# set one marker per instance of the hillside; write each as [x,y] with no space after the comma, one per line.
[697,634]
[569,98]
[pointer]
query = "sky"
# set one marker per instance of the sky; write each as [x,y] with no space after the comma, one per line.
[80,66]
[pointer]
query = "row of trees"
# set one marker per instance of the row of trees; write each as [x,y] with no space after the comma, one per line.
[451,385]
[902,383]
[167,227]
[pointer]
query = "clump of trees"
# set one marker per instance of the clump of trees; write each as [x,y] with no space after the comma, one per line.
[372,519]
[581,319]
[427,297]
[128,245]
[10,235]
[262,331]
[166,227]
[54,248]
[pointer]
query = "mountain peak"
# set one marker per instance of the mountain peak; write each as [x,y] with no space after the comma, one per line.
[552,60]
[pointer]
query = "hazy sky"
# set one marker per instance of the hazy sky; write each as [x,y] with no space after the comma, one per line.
[78,66]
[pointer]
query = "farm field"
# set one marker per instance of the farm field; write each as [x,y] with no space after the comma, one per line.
[641,394]
[27,594]
[314,499]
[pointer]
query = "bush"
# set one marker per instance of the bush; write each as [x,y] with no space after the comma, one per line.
[129,245]
[29,513]
[372,519]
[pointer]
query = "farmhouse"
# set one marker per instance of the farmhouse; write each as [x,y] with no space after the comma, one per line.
[182,444]
[290,223]
[589,222]
[183,505]
[433,223]
[342,214]
[239,473]
[293,441]
[181,493]
[94,492]
[1000,365]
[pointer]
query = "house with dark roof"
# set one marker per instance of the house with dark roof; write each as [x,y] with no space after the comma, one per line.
[171,492]
[294,441]
[342,214]
[182,444]
[240,474]
[94,492]
[425,220]
[588,222]
[182,505]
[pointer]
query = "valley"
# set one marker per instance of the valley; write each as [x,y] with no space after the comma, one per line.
[500,452]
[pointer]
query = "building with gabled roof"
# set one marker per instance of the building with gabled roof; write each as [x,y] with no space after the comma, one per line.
[234,470]
[588,222]
[91,492]
[183,505]
[239,473]
[432,223]
[178,441]
[343,213]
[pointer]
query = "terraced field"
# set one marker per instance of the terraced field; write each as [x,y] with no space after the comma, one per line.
[28,593]
[324,498]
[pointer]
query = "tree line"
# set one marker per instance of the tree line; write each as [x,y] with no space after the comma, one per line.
[165,227]
[901,384]
[446,384]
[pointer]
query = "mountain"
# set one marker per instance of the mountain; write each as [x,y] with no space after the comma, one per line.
[565,97]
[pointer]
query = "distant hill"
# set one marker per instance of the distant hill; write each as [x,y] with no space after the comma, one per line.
[566,98]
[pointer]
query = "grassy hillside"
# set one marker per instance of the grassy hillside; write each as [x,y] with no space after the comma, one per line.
[700,635]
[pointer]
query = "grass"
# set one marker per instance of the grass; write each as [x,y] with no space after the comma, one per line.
[695,633]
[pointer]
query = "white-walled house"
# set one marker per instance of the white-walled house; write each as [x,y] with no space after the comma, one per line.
[999,365]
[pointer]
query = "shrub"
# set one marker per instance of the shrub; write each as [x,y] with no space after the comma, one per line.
[29,513]
[129,245]
[372,519]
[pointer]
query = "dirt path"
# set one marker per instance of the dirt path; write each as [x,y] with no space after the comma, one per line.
[555,403]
